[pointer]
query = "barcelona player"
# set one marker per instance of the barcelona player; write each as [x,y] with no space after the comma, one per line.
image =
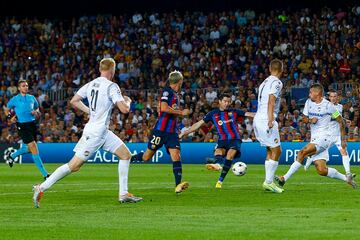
[225,120]
[165,130]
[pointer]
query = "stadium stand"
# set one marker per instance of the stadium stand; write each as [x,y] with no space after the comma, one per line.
[215,51]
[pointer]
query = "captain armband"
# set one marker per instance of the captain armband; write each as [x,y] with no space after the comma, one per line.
[335,114]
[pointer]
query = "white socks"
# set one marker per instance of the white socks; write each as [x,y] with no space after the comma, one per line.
[123,168]
[346,163]
[293,168]
[333,173]
[270,169]
[59,173]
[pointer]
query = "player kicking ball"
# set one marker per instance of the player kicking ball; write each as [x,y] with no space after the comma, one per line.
[165,130]
[318,112]
[225,120]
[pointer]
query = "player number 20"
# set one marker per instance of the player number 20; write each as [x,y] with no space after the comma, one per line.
[155,140]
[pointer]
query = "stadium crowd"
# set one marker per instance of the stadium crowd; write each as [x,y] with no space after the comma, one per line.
[215,51]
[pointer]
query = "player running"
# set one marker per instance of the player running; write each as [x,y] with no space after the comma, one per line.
[318,112]
[228,147]
[101,94]
[26,111]
[165,130]
[265,127]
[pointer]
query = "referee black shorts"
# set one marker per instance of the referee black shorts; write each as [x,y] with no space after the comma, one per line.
[27,131]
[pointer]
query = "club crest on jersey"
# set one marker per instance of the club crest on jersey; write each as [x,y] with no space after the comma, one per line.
[165,94]
[220,122]
[86,153]
[174,106]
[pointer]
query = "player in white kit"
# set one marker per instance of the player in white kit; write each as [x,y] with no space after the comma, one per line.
[102,94]
[336,136]
[265,127]
[319,112]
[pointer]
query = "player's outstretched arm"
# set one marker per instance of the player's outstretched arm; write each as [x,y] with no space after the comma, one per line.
[193,128]
[164,107]
[77,103]
[124,106]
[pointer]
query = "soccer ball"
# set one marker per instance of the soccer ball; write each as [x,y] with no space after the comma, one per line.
[7,152]
[239,168]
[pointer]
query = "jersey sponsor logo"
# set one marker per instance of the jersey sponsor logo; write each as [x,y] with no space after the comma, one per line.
[220,122]
[316,114]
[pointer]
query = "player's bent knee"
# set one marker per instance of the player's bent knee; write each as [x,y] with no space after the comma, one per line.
[74,169]
[127,155]
[75,164]
[301,154]
[148,155]
[322,171]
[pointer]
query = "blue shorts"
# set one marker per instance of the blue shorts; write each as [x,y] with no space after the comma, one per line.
[158,139]
[230,144]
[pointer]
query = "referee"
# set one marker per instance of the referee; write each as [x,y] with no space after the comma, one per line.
[26,110]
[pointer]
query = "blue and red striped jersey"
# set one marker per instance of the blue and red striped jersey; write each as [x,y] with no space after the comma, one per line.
[225,122]
[168,122]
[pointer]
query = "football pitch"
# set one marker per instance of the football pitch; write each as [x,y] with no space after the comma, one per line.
[84,205]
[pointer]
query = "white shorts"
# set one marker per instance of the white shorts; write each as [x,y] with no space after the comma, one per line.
[322,148]
[267,137]
[337,142]
[90,143]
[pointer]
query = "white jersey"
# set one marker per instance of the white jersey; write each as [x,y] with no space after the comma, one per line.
[101,95]
[271,85]
[334,125]
[323,112]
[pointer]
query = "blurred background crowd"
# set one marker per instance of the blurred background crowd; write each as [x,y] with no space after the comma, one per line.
[215,51]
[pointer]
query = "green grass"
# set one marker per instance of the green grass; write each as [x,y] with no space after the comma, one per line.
[84,206]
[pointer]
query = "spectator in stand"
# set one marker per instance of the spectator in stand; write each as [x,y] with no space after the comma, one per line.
[209,48]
